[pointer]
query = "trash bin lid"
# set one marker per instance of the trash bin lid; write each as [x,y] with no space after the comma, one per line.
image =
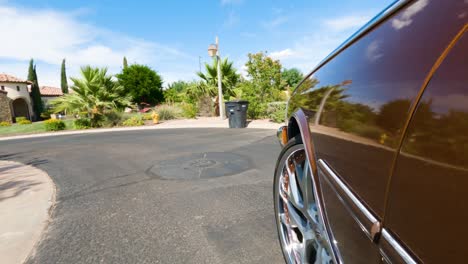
[238,102]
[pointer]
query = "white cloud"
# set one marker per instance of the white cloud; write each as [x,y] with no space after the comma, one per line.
[347,22]
[275,22]
[373,51]
[307,52]
[406,17]
[48,36]
[282,54]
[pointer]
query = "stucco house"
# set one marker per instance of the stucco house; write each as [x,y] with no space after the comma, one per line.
[49,93]
[15,98]
[15,93]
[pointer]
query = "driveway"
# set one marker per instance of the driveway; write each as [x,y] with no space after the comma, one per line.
[157,196]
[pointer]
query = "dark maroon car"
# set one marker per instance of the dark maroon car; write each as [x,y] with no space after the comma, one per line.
[374,166]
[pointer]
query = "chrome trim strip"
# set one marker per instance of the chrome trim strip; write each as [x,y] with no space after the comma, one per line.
[388,11]
[399,249]
[348,192]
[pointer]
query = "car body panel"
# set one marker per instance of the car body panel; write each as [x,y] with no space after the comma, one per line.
[427,207]
[357,105]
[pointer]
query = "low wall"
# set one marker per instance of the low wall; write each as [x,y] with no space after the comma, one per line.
[5,111]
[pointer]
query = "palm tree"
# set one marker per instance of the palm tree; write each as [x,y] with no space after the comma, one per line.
[230,78]
[94,94]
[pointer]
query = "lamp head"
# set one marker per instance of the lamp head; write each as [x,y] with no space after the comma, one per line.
[212,50]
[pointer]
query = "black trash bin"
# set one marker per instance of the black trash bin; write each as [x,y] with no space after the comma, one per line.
[236,111]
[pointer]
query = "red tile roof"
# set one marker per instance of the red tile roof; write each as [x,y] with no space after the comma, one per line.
[11,79]
[50,91]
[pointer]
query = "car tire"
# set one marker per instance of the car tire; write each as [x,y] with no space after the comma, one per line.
[301,233]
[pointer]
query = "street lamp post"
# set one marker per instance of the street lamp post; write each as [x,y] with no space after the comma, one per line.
[213,50]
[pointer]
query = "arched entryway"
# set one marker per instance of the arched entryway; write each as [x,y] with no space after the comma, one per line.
[20,108]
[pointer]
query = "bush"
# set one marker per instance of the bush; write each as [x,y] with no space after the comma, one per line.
[189,110]
[111,119]
[97,120]
[82,123]
[133,121]
[54,125]
[147,116]
[46,114]
[277,117]
[24,122]
[369,131]
[277,111]
[256,110]
[5,124]
[167,112]
[20,118]
[361,129]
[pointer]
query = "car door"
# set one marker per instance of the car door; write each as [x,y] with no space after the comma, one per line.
[358,103]
[427,207]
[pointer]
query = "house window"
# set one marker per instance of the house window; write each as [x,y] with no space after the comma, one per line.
[17,88]
[3,88]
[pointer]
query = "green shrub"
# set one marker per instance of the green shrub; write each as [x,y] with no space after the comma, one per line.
[134,121]
[256,110]
[24,122]
[348,125]
[277,111]
[276,106]
[82,123]
[361,129]
[189,110]
[111,119]
[20,118]
[167,112]
[369,131]
[46,114]
[54,125]
[146,116]
[278,116]
[5,124]
[97,120]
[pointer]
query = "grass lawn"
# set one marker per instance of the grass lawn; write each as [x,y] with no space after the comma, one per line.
[35,127]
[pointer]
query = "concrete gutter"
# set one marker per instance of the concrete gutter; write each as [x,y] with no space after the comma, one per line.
[27,195]
[207,122]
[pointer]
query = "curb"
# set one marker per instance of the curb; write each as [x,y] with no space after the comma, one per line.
[121,129]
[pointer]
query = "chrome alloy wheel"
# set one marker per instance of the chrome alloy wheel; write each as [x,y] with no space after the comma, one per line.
[301,232]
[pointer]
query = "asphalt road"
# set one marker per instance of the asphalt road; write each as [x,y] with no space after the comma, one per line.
[160,196]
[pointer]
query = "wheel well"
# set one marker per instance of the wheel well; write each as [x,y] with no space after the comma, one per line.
[293,128]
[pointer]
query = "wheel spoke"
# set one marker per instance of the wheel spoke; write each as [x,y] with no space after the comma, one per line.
[294,218]
[300,164]
[294,196]
[302,232]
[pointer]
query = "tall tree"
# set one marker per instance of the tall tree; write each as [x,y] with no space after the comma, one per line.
[125,63]
[64,83]
[229,76]
[142,83]
[265,75]
[38,105]
[229,80]
[291,77]
[31,70]
[94,93]
[178,86]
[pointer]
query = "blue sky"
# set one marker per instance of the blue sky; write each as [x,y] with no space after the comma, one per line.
[170,36]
